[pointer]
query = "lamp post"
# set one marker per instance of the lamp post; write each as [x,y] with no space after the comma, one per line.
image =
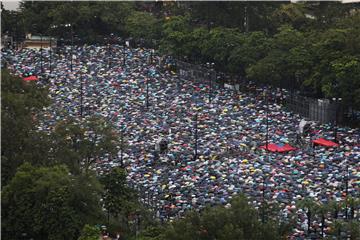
[347,176]
[124,52]
[110,41]
[41,56]
[50,55]
[267,118]
[72,46]
[210,69]
[50,50]
[122,146]
[263,199]
[151,56]
[72,43]
[337,102]
[196,136]
[81,95]
[147,93]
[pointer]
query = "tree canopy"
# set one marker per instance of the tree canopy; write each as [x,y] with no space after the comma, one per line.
[49,203]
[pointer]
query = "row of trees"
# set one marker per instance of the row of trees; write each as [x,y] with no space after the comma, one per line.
[242,221]
[49,187]
[311,47]
[318,62]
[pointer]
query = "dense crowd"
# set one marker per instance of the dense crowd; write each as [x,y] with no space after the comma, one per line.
[229,131]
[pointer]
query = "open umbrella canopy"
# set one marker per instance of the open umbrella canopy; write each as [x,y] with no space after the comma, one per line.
[31,78]
[325,143]
[278,148]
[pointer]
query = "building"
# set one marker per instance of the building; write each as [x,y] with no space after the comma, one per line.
[37,42]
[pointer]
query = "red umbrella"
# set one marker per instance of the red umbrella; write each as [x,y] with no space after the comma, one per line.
[324,142]
[31,78]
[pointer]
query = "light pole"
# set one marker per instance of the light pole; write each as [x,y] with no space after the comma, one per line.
[147,93]
[81,95]
[263,199]
[196,136]
[110,40]
[124,52]
[50,50]
[41,56]
[337,102]
[50,55]
[122,146]
[72,46]
[124,55]
[267,119]
[210,68]
[72,43]
[346,189]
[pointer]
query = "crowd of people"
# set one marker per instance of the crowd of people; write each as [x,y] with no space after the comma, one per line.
[212,148]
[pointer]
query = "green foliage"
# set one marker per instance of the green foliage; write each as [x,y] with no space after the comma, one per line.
[143,25]
[176,32]
[103,17]
[20,102]
[49,203]
[118,198]
[240,221]
[90,233]
[79,144]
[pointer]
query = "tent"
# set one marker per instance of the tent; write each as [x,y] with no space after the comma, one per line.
[286,148]
[324,142]
[31,78]
[277,148]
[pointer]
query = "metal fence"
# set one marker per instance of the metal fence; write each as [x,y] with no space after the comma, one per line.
[195,72]
[321,110]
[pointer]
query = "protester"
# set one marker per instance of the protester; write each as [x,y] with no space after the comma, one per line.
[229,132]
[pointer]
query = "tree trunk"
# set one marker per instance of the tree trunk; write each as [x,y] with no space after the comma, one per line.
[336,213]
[322,225]
[309,220]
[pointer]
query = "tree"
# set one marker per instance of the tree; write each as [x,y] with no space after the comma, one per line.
[323,210]
[90,233]
[176,31]
[21,101]
[143,25]
[49,203]
[104,17]
[253,47]
[80,144]
[118,198]
[310,207]
[219,45]
[240,221]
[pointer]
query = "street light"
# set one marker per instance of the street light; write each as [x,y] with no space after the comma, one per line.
[147,93]
[72,43]
[263,199]
[41,56]
[337,101]
[50,50]
[126,44]
[210,67]
[196,136]
[122,146]
[347,176]
[110,40]
[81,95]
[267,118]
